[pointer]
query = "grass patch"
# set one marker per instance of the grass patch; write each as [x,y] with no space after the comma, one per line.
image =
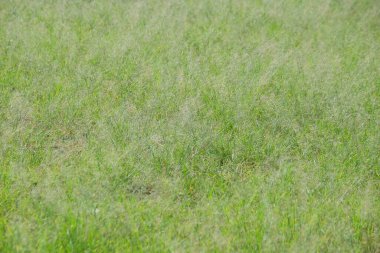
[189,126]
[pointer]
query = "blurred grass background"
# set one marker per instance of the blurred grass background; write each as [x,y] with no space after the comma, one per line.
[189,126]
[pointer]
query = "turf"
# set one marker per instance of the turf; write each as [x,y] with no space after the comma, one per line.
[190,126]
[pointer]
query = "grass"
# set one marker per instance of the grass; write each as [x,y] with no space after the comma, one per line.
[189,126]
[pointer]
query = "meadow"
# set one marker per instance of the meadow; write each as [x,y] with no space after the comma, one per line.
[190,126]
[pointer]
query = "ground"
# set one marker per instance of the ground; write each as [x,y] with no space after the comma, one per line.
[190,126]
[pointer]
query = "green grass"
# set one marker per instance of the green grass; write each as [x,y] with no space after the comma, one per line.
[190,126]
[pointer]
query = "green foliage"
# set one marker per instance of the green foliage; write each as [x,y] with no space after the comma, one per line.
[189,126]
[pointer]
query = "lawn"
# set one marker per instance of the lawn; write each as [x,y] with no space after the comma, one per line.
[190,126]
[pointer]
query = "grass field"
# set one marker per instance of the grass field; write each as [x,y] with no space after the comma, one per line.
[190,126]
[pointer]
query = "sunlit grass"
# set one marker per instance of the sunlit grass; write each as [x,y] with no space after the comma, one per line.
[189,126]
